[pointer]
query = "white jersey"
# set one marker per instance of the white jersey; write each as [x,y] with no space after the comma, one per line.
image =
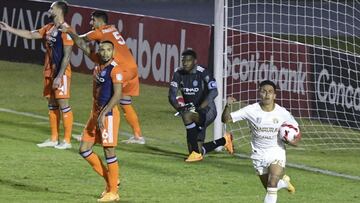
[264,125]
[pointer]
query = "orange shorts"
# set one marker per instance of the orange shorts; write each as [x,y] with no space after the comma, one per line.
[61,93]
[131,88]
[109,136]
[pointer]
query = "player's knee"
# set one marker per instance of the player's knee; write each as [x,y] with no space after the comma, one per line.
[109,151]
[273,180]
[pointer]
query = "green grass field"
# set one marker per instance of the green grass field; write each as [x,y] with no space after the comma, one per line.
[155,172]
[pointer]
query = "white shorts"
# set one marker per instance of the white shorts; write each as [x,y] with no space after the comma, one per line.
[262,159]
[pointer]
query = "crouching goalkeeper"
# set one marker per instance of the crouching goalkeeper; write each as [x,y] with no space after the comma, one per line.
[199,90]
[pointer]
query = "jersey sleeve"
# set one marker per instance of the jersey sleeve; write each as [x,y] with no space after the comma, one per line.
[67,40]
[94,35]
[211,85]
[117,75]
[173,89]
[289,118]
[42,31]
[239,115]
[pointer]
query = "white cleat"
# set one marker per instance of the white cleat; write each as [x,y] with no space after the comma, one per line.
[134,140]
[48,143]
[63,145]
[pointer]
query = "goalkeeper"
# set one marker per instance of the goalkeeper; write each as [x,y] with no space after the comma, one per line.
[199,90]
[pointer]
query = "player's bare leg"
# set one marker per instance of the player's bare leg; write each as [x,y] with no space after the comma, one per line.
[275,174]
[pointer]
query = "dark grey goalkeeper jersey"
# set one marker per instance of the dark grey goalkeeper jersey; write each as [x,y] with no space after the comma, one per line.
[195,87]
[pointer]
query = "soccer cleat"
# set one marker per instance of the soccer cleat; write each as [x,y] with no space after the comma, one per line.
[107,189]
[109,197]
[291,188]
[229,143]
[63,145]
[48,143]
[194,156]
[135,140]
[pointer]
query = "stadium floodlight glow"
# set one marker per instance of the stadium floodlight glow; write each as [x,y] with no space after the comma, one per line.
[310,50]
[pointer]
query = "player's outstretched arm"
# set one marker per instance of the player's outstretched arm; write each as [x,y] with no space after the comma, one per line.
[226,117]
[22,33]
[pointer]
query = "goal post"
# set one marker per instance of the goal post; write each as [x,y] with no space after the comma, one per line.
[310,49]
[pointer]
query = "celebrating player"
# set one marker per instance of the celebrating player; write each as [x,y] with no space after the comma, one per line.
[57,72]
[268,150]
[198,88]
[103,124]
[102,32]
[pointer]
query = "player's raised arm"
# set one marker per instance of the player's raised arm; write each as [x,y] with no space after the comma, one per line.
[27,34]
[226,117]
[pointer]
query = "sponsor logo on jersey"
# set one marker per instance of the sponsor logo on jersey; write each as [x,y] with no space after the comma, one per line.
[190,91]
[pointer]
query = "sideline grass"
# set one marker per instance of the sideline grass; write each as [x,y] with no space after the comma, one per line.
[154,172]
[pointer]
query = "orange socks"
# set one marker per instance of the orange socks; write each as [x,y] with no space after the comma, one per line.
[113,173]
[96,163]
[54,119]
[67,117]
[132,118]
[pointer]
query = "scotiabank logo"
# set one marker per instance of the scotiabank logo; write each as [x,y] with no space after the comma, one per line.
[329,90]
[251,70]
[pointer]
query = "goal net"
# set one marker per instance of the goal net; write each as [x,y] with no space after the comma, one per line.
[310,49]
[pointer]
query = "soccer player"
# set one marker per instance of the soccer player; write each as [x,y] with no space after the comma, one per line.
[103,124]
[268,150]
[101,32]
[57,72]
[199,88]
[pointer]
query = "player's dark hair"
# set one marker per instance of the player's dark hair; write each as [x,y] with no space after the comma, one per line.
[107,41]
[189,52]
[100,14]
[63,6]
[268,82]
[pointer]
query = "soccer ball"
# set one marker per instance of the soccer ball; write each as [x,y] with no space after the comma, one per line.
[289,133]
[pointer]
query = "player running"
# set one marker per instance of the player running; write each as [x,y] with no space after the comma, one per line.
[268,151]
[199,90]
[57,72]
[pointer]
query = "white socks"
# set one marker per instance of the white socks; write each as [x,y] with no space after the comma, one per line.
[271,195]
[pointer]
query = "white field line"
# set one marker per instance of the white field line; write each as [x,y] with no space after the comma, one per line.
[292,165]
[46,118]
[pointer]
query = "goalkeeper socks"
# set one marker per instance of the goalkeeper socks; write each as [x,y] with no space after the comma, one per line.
[54,119]
[67,122]
[131,117]
[271,195]
[191,135]
[96,163]
[113,173]
[211,146]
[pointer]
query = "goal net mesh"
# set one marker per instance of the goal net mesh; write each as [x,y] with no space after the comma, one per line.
[310,49]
